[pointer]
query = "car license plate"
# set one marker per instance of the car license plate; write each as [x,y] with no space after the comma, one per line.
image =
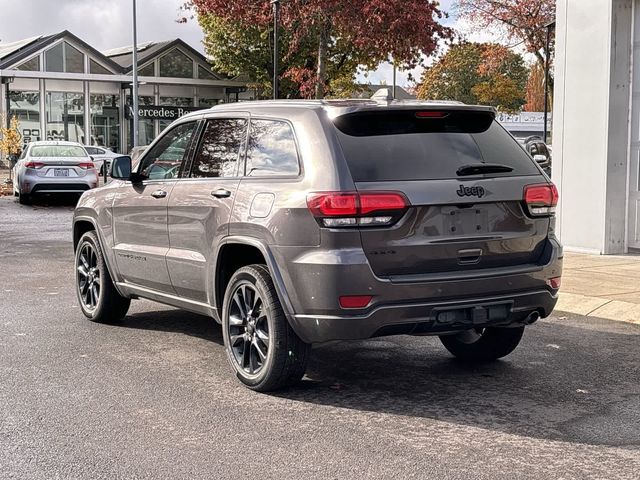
[465,221]
[60,172]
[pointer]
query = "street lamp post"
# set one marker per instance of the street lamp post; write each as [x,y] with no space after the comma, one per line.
[276,21]
[134,92]
[547,67]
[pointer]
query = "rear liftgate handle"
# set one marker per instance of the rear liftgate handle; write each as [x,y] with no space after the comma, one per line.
[470,256]
[159,194]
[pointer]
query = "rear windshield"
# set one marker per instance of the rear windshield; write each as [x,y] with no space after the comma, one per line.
[403,145]
[57,151]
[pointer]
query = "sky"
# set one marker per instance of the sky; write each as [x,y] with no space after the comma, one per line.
[106,24]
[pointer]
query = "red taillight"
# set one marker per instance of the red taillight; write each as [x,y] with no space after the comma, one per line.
[541,199]
[34,164]
[351,209]
[355,301]
[555,282]
[431,114]
[87,165]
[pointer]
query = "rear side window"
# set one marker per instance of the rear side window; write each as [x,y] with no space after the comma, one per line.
[271,149]
[220,148]
[405,145]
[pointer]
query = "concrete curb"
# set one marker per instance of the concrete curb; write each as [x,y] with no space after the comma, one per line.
[599,307]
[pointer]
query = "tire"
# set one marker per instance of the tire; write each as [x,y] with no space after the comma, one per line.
[261,347]
[24,199]
[105,304]
[483,345]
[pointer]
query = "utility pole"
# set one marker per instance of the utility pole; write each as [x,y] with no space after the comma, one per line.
[547,67]
[276,21]
[134,93]
[393,93]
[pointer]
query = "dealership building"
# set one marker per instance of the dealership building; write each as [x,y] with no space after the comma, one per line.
[596,127]
[61,88]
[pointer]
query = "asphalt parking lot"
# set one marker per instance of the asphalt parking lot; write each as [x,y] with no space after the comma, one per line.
[153,397]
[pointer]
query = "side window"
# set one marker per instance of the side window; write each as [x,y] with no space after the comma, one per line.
[91,150]
[271,149]
[220,148]
[163,160]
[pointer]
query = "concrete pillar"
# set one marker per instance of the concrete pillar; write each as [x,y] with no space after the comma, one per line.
[591,122]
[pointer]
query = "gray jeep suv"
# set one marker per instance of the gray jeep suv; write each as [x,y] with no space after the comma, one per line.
[297,222]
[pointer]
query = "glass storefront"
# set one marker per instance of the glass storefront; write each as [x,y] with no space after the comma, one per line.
[65,116]
[105,121]
[26,107]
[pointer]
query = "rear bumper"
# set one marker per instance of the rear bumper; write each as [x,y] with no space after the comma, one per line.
[426,318]
[314,280]
[33,184]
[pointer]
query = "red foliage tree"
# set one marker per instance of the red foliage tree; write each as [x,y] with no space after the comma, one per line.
[374,29]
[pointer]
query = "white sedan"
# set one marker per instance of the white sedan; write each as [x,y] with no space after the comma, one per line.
[101,155]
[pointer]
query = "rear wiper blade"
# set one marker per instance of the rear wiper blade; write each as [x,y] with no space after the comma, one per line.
[479,168]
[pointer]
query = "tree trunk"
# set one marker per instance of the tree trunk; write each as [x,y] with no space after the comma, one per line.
[321,76]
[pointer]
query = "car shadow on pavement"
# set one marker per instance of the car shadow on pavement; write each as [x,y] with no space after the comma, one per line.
[175,321]
[584,391]
[54,201]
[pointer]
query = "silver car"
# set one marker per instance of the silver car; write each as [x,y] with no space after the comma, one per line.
[53,167]
[101,156]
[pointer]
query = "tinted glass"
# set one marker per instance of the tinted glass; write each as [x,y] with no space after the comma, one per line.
[176,64]
[389,146]
[163,160]
[57,151]
[271,149]
[205,73]
[74,59]
[147,71]
[32,65]
[95,67]
[25,106]
[220,148]
[54,59]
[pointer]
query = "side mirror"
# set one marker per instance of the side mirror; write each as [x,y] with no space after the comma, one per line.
[121,168]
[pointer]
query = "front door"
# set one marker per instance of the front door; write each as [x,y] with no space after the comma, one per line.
[141,234]
[200,207]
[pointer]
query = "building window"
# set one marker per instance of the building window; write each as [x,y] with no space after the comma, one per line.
[95,67]
[54,59]
[177,101]
[205,73]
[64,58]
[176,64]
[32,65]
[65,116]
[146,132]
[271,150]
[25,106]
[105,121]
[208,102]
[147,71]
[74,59]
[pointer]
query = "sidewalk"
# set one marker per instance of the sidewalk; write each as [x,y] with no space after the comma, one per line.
[601,286]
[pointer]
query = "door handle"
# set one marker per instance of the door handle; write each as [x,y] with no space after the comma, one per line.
[221,193]
[159,194]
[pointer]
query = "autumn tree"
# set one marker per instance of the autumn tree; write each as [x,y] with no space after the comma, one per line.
[324,41]
[523,21]
[535,90]
[477,73]
[10,139]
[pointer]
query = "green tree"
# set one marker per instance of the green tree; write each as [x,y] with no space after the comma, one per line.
[477,73]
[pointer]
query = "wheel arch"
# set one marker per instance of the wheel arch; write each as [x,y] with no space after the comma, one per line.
[237,252]
[82,225]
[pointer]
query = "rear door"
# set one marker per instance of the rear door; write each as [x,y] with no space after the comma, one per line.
[140,211]
[200,206]
[463,216]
